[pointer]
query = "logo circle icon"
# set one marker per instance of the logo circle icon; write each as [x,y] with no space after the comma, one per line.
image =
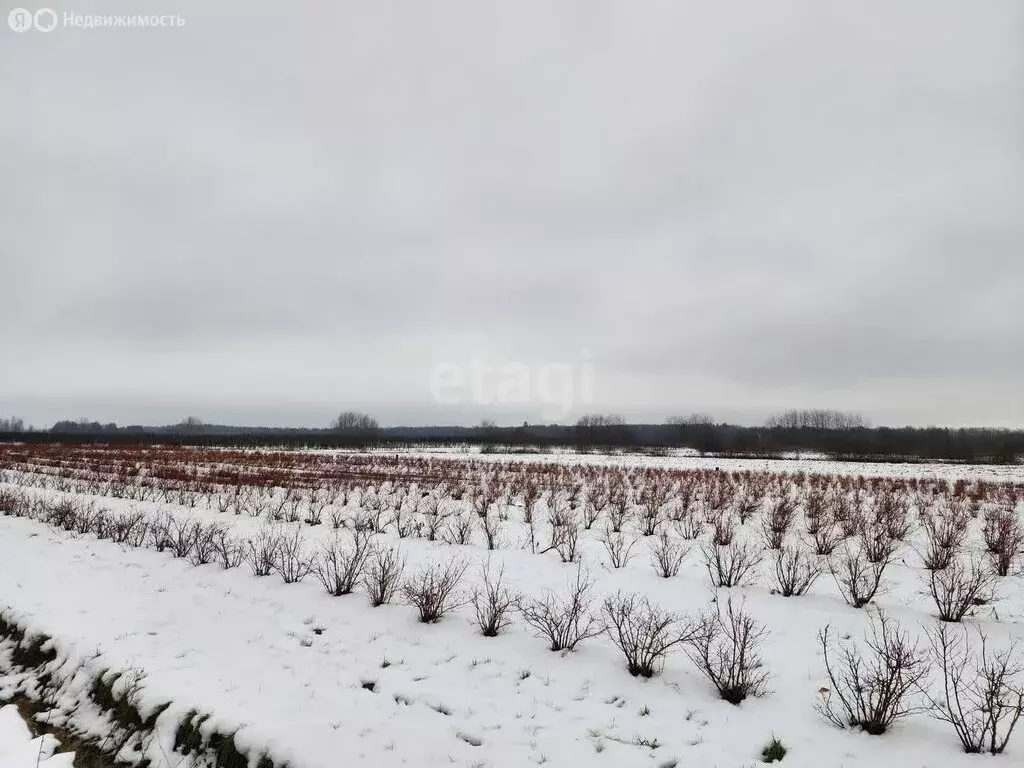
[45,19]
[20,20]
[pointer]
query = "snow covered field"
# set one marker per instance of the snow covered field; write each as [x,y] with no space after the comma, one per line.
[319,681]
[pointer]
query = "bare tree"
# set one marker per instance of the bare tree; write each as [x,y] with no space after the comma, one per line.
[871,688]
[816,418]
[982,693]
[354,422]
[725,647]
[643,632]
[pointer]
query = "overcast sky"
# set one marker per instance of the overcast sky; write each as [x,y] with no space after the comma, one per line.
[280,210]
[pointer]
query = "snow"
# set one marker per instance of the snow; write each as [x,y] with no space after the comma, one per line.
[321,681]
[19,750]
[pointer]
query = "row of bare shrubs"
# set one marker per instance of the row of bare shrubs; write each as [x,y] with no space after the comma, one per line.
[833,512]
[887,677]
[857,569]
[722,643]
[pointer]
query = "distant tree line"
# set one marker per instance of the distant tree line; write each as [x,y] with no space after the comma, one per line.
[836,434]
[817,418]
[12,425]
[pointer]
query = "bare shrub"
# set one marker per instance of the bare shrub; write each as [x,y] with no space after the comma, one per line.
[62,514]
[871,688]
[689,526]
[159,531]
[182,531]
[618,546]
[564,621]
[877,545]
[1004,537]
[459,530]
[747,503]
[960,586]
[944,536]
[982,693]
[656,494]
[433,516]
[230,552]
[87,518]
[725,647]
[732,565]
[619,506]
[827,537]
[382,574]
[667,554]
[858,580]
[934,556]
[10,501]
[490,524]
[261,551]
[291,561]
[492,602]
[796,570]
[204,543]
[138,535]
[565,539]
[777,522]
[338,517]
[124,525]
[340,563]
[853,523]
[433,589]
[643,632]
[723,529]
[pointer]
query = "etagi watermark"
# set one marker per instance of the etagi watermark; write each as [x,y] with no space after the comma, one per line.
[557,387]
[46,20]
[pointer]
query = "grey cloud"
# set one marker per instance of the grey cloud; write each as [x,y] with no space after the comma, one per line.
[734,208]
